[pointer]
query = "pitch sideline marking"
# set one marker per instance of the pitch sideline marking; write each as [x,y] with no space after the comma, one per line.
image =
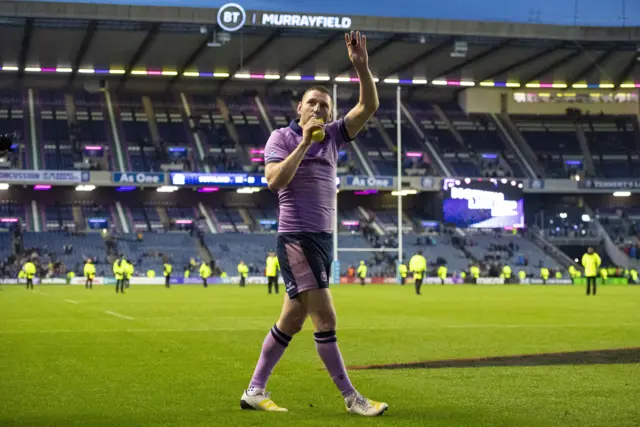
[122,316]
[70,301]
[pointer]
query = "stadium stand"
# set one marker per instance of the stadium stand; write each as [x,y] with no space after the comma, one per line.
[612,140]
[472,146]
[229,248]
[245,117]
[145,218]
[222,151]
[148,251]
[12,121]
[70,249]
[175,136]
[242,235]
[377,262]
[554,140]
[58,217]
[6,248]
[568,221]
[515,251]
[11,209]
[621,222]
[53,127]
[91,128]
[134,132]
[438,249]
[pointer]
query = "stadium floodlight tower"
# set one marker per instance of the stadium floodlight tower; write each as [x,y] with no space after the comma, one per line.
[335,268]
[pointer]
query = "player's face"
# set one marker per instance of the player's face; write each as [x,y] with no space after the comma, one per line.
[315,104]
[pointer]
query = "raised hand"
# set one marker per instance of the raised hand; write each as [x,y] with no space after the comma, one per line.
[357,48]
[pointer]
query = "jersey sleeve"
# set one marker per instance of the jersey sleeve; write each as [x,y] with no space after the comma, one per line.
[338,132]
[276,149]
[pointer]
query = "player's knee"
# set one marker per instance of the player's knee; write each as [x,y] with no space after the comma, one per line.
[290,326]
[291,323]
[325,326]
[325,321]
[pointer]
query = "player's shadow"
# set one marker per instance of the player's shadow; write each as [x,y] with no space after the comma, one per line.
[588,357]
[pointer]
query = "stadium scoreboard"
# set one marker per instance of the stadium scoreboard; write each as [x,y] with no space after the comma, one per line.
[222,179]
[483,203]
[218,179]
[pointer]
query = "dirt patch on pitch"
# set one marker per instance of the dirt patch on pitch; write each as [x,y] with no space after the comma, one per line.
[587,357]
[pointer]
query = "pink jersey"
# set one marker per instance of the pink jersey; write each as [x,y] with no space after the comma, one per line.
[307,204]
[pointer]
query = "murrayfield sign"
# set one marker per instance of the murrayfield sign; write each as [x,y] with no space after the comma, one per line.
[232,17]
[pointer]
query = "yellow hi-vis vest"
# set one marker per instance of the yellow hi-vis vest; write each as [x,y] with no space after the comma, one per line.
[272,266]
[403,270]
[591,263]
[168,269]
[418,266]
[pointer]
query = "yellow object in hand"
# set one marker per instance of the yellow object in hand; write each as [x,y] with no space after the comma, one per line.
[318,135]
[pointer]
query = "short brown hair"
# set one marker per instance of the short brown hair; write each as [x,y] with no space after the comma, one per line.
[318,88]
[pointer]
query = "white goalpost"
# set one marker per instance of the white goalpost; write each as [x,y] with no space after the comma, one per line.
[335,267]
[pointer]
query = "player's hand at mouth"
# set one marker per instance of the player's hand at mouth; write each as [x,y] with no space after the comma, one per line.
[307,130]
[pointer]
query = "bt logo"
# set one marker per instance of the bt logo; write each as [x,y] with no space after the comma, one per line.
[231,17]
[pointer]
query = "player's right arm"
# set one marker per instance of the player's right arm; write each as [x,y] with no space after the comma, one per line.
[279,174]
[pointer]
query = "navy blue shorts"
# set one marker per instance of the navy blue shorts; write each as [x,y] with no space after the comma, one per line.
[305,261]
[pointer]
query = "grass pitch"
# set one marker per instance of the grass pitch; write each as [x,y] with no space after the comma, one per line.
[182,356]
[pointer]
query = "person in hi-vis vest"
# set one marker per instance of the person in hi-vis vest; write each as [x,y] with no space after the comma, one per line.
[271,271]
[205,273]
[89,274]
[128,272]
[544,274]
[591,262]
[118,272]
[506,272]
[572,272]
[474,271]
[522,275]
[442,273]
[604,274]
[168,269]
[29,269]
[362,272]
[402,268]
[418,268]
[243,271]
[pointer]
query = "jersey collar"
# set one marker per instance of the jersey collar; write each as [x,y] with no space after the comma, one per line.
[295,126]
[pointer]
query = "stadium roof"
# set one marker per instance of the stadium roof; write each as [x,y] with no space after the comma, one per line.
[164,54]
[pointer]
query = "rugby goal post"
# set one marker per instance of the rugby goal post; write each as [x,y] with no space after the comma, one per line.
[335,265]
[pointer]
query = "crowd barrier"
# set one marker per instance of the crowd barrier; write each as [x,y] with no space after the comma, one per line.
[261,280]
[254,280]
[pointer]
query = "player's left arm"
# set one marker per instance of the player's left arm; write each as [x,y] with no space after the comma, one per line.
[368,102]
